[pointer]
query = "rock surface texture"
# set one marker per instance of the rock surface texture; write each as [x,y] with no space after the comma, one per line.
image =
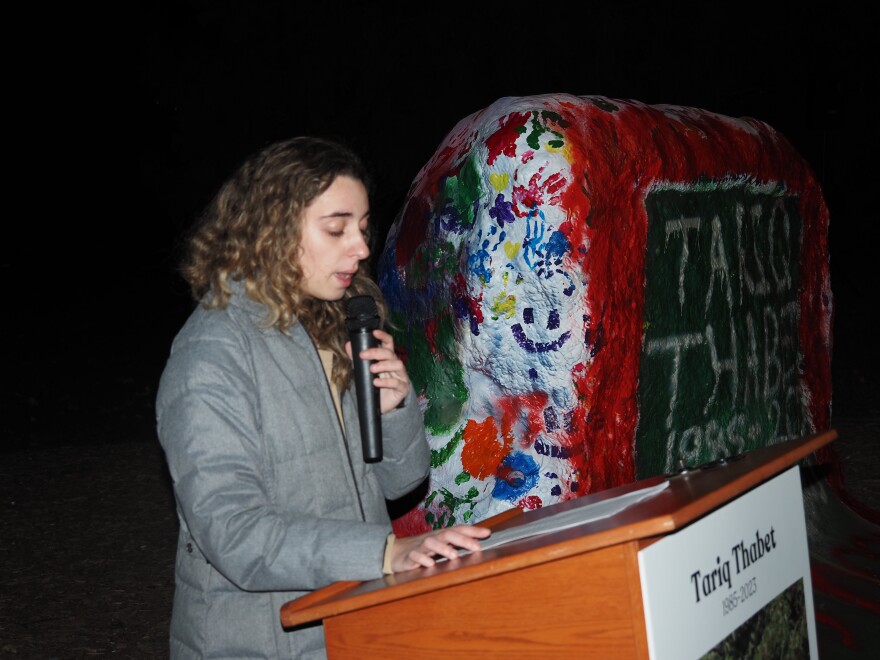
[588,291]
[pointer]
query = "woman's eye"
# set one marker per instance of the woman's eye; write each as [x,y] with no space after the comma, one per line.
[335,233]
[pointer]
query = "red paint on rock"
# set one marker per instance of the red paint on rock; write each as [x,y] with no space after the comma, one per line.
[503,141]
[633,148]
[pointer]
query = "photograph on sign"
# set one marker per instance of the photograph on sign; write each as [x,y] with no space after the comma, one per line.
[777,630]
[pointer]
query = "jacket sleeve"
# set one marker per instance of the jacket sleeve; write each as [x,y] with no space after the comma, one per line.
[406,458]
[209,427]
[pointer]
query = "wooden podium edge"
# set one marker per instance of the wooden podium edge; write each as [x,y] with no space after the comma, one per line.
[639,522]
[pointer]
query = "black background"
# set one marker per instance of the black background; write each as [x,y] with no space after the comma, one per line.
[123,121]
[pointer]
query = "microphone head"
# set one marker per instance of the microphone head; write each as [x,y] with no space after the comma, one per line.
[361,313]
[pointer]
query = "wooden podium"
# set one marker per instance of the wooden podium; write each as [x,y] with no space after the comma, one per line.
[571,593]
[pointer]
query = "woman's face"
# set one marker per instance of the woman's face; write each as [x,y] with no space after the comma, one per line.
[333,239]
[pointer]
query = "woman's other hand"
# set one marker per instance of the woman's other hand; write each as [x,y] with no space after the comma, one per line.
[413,551]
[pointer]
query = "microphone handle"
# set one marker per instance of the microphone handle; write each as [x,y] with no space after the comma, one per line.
[369,414]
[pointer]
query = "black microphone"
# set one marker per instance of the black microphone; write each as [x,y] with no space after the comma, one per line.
[362,317]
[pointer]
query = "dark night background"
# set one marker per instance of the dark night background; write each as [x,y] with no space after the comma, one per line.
[143,111]
[123,120]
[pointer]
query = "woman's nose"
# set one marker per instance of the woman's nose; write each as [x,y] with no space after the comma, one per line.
[360,248]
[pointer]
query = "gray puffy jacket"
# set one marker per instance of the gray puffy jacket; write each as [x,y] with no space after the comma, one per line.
[273,499]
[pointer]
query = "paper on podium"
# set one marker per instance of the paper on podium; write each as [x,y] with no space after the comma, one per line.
[572,517]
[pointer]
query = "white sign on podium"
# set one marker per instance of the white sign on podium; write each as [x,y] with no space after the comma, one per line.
[736,581]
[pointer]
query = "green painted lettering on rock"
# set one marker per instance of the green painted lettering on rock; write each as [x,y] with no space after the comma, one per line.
[719,367]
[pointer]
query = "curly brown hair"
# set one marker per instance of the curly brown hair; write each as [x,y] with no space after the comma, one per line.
[253,225]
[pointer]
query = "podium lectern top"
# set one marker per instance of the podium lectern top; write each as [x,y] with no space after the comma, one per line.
[689,496]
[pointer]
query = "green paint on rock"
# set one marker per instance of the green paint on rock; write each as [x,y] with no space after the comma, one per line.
[719,365]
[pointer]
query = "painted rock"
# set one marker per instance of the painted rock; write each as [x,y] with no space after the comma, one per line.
[588,290]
